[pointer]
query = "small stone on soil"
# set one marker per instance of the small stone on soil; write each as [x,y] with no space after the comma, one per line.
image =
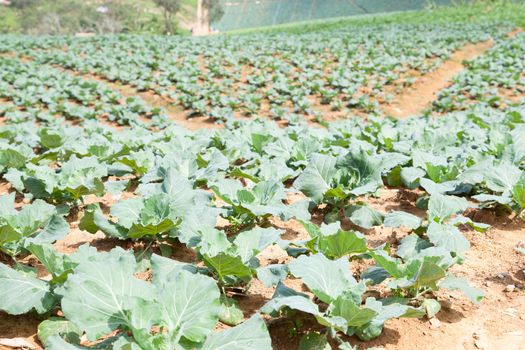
[435,323]
[502,275]
[510,288]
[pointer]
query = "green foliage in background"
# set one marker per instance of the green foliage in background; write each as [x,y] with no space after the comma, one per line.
[8,21]
[215,10]
[169,10]
[58,17]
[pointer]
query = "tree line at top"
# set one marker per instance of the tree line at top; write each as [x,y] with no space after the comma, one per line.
[60,17]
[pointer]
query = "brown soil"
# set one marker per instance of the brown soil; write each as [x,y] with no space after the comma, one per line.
[23,326]
[491,264]
[511,96]
[515,32]
[178,115]
[415,99]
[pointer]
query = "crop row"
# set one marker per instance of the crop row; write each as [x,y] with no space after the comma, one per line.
[334,72]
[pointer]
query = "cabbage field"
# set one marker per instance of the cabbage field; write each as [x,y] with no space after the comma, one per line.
[355,188]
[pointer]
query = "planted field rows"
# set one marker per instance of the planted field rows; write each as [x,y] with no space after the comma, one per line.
[344,189]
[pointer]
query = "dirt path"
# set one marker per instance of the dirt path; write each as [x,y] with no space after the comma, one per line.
[176,114]
[414,100]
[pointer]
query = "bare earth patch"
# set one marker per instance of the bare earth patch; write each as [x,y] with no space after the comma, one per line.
[176,114]
[415,99]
